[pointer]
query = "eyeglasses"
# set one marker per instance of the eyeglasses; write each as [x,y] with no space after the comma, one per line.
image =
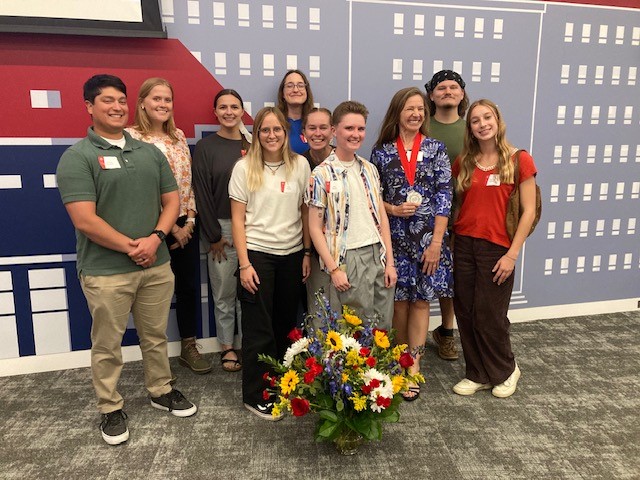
[275,130]
[299,86]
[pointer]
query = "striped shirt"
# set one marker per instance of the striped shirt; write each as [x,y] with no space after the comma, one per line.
[329,190]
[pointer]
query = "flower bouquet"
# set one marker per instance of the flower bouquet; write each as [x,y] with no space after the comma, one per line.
[348,372]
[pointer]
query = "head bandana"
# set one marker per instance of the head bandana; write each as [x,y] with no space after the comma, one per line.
[441,76]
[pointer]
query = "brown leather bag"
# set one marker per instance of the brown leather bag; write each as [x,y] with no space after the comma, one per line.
[513,207]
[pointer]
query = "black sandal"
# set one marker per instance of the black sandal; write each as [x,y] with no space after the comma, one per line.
[415,390]
[224,361]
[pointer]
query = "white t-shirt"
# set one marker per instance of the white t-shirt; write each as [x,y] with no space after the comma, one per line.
[273,222]
[362,229]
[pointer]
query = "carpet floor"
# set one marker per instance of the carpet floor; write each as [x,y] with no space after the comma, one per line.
[575,415]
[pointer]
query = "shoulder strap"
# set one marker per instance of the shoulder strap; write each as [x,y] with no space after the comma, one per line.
[516,168]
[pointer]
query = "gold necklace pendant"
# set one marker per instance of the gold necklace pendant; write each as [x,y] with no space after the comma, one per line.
[485,169]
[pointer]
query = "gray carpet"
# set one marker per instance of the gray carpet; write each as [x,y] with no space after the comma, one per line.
[576,415]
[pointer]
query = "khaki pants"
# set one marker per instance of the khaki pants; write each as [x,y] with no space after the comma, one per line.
[147,295]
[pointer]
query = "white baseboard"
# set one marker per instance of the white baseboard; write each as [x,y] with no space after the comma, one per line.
[81,359]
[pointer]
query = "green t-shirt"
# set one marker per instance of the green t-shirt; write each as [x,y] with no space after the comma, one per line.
[126,186]
[451,134]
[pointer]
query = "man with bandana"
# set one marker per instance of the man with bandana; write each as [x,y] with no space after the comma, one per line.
[448,102]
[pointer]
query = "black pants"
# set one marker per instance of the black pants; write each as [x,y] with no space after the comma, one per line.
[268,316]
[185,265]
[481,308]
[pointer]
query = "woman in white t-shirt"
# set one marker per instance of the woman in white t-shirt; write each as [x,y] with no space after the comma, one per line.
[269,228]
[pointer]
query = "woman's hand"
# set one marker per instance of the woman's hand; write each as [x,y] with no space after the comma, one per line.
[217,249]
[183,235]
[405,209]
[503,269]
[306,268]
[340,280]
[431,258]
[249,279]
[390,275]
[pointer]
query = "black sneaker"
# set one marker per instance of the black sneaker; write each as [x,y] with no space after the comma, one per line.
[175,403]
[114,427]
[264,411]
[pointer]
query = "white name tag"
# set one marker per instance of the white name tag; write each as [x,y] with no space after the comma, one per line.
[108,163]
[420,153]
[162,147]
[287,187]
[334,186]
[493,180]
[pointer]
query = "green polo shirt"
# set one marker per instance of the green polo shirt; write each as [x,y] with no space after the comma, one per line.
[451,134]
[126,186]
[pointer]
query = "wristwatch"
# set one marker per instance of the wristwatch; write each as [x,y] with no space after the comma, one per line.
[161,234]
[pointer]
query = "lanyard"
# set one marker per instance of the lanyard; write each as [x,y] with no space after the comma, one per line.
[409,166]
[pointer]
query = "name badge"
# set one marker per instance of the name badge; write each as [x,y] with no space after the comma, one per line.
[493,180]
[287,187]
[420,153]
[162,147]
[333,186]
[108,163]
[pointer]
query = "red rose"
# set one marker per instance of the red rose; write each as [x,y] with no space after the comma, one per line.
[371,362]
[309,377]
[311,361]
[299,406]
[316,369]
[366,389]
[406,360]
[375,383]
[384,402]
[295,335]
[265,395]
[364,352]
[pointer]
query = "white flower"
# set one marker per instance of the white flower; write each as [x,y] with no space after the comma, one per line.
[298,346]
[384,390]
[349,343]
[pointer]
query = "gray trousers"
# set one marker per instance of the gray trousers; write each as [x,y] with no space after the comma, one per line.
[226,307]
[367,296]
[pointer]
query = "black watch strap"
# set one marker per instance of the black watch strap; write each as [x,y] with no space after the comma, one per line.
[161,235]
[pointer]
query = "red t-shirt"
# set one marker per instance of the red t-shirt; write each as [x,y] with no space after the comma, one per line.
[484,208]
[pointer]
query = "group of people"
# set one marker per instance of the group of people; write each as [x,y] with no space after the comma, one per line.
[290,204]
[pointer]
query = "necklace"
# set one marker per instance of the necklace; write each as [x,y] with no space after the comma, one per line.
[273,168]
[485,169]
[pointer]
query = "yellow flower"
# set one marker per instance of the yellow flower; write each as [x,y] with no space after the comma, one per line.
[345,377]
[334,341]
[275,411]
[289,382]
[352,319]
[398,382]
[353,358]
[381,339]
[359,402]
[398,350]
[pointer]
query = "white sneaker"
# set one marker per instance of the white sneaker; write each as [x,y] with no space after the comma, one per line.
[508,387]
[469,387]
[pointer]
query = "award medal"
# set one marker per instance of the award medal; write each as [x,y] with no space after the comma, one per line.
[409,165]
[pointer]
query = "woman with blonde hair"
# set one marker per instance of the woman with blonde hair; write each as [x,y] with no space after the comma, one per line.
[415,173]
[295,100]
[484,255]
[154,124]
[269,227]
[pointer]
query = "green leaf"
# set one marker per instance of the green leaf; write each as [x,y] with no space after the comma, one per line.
[327,429]
[339,405]
[328,415]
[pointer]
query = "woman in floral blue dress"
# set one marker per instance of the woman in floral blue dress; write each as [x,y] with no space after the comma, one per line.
[416,181]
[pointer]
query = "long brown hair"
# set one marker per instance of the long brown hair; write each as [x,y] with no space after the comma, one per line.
[390,128]
[471,149]
[255,158]
[142,123]
[282,104]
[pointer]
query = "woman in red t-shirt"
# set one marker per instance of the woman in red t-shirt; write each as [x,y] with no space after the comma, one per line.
[484,256]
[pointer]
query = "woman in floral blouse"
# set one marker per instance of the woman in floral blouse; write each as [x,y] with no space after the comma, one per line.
[154,124]
[416,182]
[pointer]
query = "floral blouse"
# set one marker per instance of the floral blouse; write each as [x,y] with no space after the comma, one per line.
[179,158]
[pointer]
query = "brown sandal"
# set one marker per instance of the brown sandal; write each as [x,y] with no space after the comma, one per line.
[236,365]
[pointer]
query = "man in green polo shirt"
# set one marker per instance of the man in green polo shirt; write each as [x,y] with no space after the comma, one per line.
[122,199]
[448,102]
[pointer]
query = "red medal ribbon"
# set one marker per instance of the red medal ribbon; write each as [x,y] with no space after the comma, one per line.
[409,166]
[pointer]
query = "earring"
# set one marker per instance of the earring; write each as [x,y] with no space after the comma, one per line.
[142,107]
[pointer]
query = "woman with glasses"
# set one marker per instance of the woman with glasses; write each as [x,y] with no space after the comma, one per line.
[269,227]
[295,100]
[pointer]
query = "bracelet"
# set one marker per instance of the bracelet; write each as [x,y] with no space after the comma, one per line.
[307,254]
[334,270]
[307,250]
[191,220]
[244,267]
